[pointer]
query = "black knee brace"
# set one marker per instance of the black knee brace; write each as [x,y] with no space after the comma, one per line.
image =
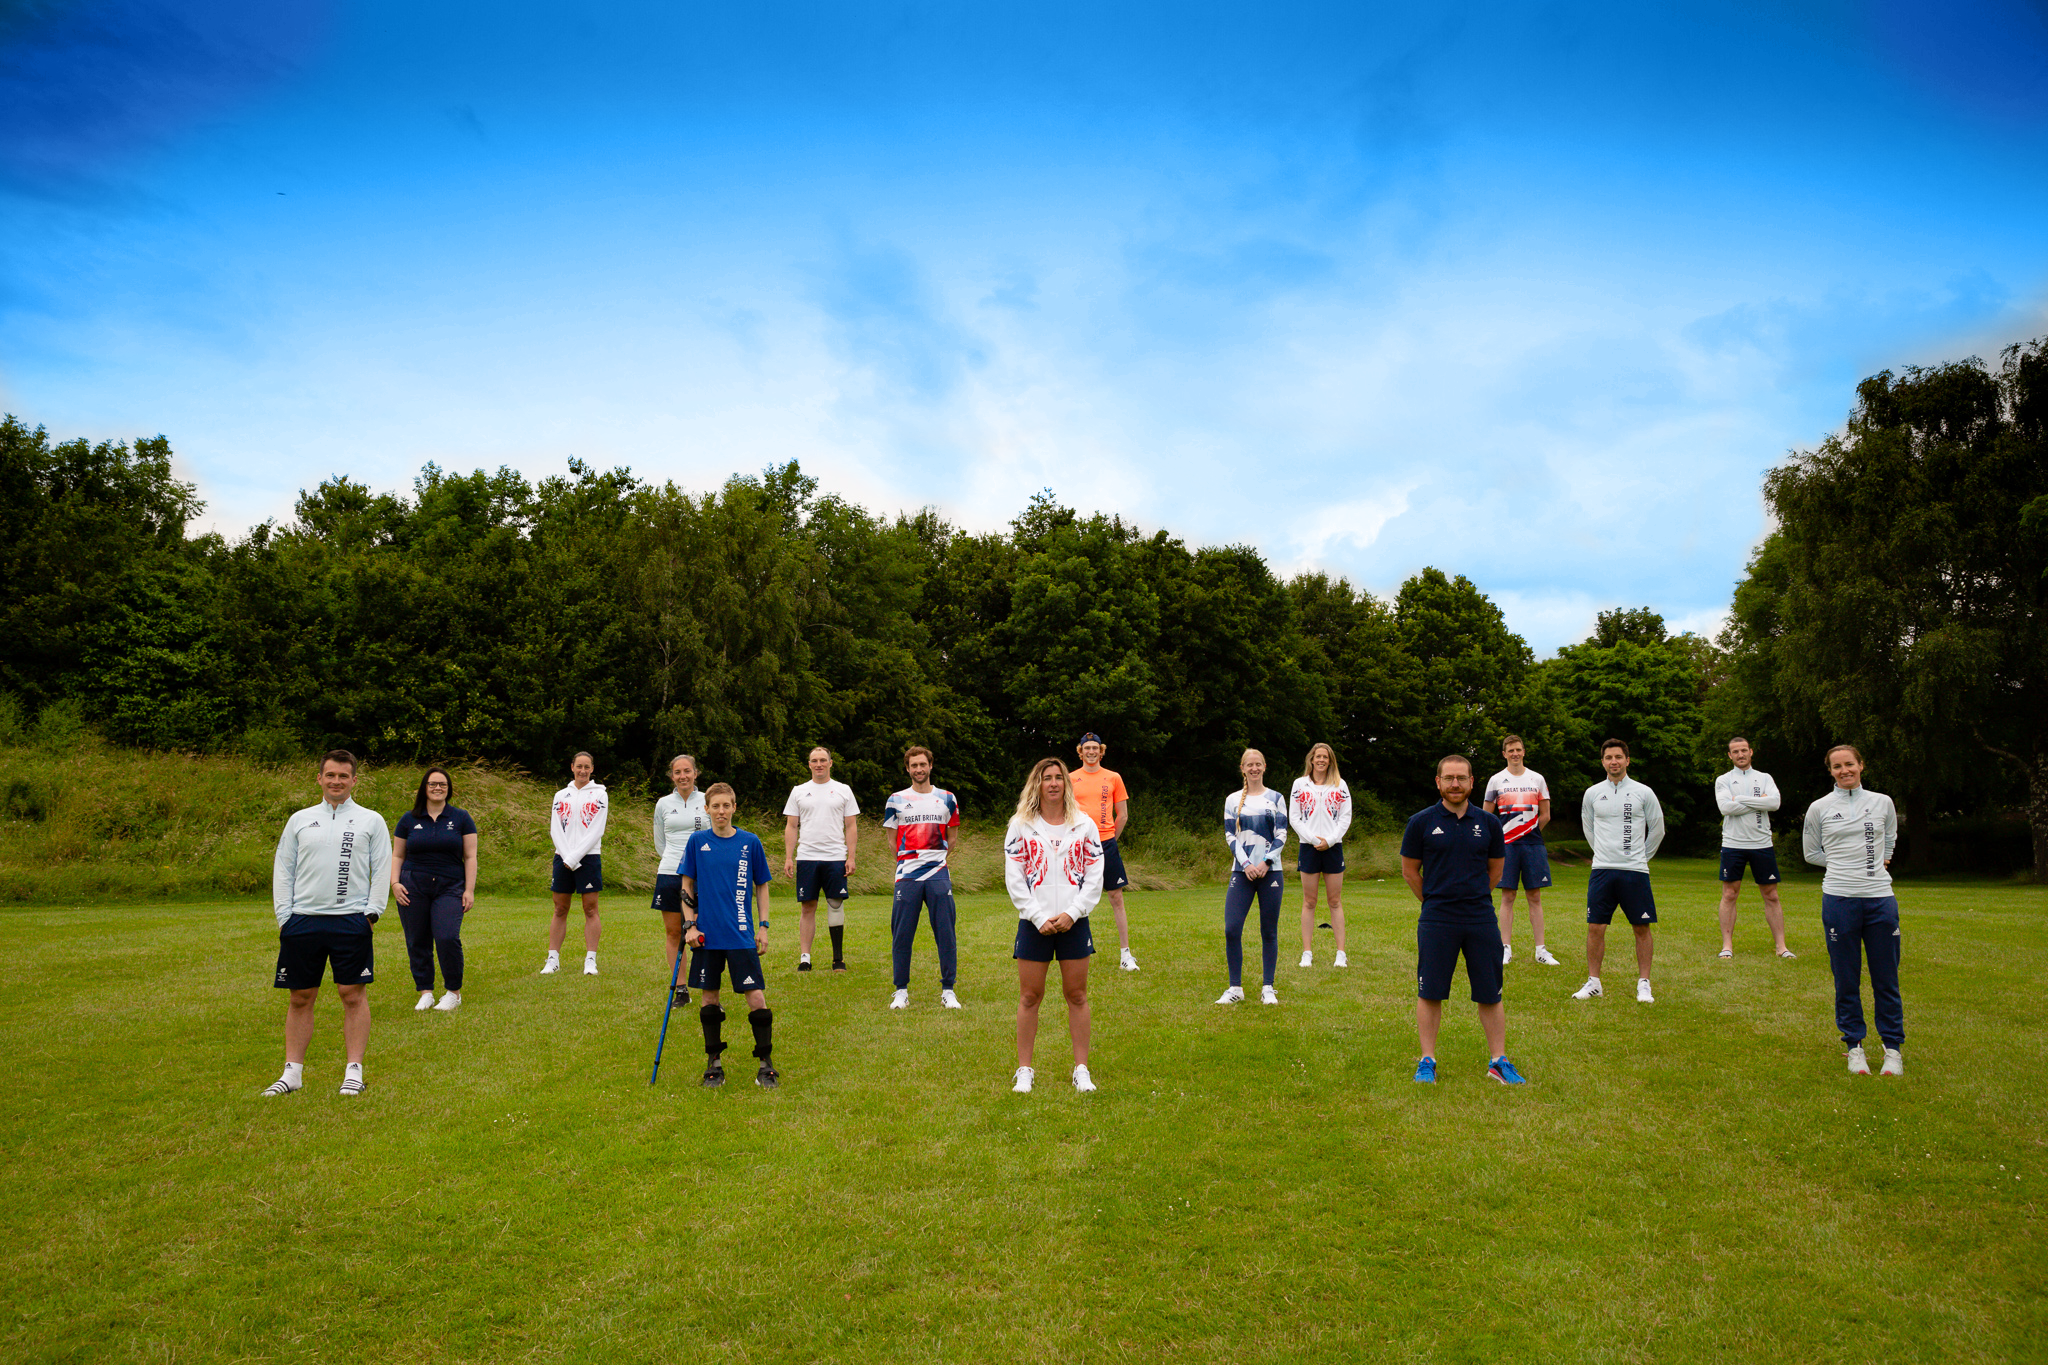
[763,1021]
[712,1017]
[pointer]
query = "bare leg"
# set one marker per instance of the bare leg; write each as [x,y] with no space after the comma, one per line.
[1494,1020]
[355,1020]
[1030,990]
[592,928]
[1536,916]
[1429,1017]
[1729,892]
[1774,915]
[1309,884]
[1074,985]
[298,1023]
[558,928]
[1333,884]
[806,926]
[1596,948]
[1645,947]
[672,930]
[1123,925]
[1507,917]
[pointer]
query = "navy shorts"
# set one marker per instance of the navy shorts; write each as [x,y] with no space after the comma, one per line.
[668,893]
[1437,945]
[1320,861]
[1113,876]
[813,878]
[707,965]
[1527,864]
[1609,887]
[1762,863]
[587,876]
[307,943]
[1066,945]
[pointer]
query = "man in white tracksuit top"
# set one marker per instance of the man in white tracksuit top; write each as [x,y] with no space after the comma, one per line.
[1624,824]
[329,882]
[1747,796]
[1852,832]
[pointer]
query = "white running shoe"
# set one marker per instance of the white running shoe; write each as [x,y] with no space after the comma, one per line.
[1340,962]
[1308,958]
[948,999]
[452,1000]
[1127,962]
[1894,1064]
[1589,990]
[352,1081]
[900,1000]
[552,965]
[425,1002]
[590,964]
[1083,1082]
[1507,953]
[1022,1085]
[1233,996]
[1858,1066]
[1543,956]
[1268,996]
[1643,996]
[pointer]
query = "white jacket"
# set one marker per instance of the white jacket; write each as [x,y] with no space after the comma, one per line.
[577,823]
[1052,869]
[675,820]
[1746,800]
[332,860]
[1319,812]
[1623,823]
[1852,835]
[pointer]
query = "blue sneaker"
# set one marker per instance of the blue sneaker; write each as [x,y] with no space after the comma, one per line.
[1503,1070]
[1425,1071]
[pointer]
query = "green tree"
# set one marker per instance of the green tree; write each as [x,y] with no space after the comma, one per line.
[1632,681]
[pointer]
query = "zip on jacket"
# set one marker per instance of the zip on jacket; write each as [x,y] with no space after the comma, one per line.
[331,860]
[675,820]
[1319,812]
[1746,799]
[1052,869]
[1852,834]
[577,823]
[1623,823]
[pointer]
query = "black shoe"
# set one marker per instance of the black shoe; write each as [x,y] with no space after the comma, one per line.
[681,997]
[1324,925]
[839,966]
[767,1077]
[803,964]
[714,1075]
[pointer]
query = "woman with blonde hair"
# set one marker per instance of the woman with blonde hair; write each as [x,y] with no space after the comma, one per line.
[1320,809]
[1052,868]
[677,816]
[1255,828]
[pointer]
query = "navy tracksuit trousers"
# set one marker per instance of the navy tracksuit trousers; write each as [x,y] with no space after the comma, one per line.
[912,897]
[1860,927]
[1237,907]
[433,922]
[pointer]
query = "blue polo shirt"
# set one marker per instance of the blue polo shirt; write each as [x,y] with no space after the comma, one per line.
[1454,851]
[434,844]
[726,871]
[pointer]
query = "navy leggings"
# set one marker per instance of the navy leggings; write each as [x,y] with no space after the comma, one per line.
[1237,905]
[1860,927]
[433,922]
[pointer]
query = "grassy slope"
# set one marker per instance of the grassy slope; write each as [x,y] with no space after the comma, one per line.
[1683,1181]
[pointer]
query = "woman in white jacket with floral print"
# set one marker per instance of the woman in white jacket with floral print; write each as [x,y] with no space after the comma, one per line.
[1052,867]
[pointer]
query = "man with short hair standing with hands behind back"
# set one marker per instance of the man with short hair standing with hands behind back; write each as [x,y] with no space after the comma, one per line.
[1101,797]
[819,837]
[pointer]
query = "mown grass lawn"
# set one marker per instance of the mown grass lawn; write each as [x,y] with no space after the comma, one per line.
[1689,1180]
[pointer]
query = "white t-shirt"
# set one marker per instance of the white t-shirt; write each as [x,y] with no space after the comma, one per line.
[1517,803]
[821,809]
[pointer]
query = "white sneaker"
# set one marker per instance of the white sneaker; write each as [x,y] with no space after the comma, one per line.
[1340,962]
[1543,956]
[425,1002]
[1233,996]
[1857,1065]
[590,964]
[946,998]
[1022,1085]
[1507,953]
[1589,990]
[1894,1064]
[1083,1082]
[1643,996]
[900,1000]
[1308,959]
[1268,996]
[552,965]
[452,1000]
[1127,962]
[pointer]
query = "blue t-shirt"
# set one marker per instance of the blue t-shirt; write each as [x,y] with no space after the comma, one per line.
[726,871]
[434,845]
[1454,851]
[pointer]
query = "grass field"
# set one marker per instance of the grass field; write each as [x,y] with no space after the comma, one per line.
[1691,1180]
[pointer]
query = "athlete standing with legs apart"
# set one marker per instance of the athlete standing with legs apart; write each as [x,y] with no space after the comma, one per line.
[677,816]
[433,879]
[1624,824]
[1052,868]
[1451,854]
[1519,798]
[819,839]
[1321,815]
[1255,827]
[1103,799]
[1852,832]
[328,885]
[1746,798]
[927,825]
[725,873]
[576,824]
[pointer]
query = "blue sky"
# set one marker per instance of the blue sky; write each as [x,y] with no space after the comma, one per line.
[1531,293]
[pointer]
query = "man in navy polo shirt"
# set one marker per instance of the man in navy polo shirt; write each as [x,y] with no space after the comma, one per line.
[1451,855]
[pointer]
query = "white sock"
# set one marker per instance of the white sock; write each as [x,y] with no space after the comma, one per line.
[295,1074]
[806,957]
[353,1071]
[554,956]
[590,956]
